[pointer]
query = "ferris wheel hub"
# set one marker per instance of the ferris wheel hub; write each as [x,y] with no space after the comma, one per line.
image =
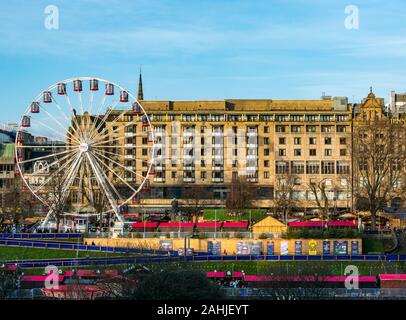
[83,147]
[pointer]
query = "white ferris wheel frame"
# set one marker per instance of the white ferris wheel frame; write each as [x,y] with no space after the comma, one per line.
[76,163]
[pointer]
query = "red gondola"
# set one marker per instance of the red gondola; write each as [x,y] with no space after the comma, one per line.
[136,108]
[35,107]
[123,96]
[24,189]
[77,85]
[17,172]
[61,88]
[47,97]
[145,121]
[94,85]
[20,154]
[26,122]
[20,140]
[146,186]
[109,89]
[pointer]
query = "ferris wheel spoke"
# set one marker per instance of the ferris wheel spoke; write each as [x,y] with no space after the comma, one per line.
[107,141]
[101,104]
[116,154]
[99,138]
[52,164]
[111,122]
[100,178]
[90,108]
[56,132]
[115,173]
[73,113]
[45,146]
[95,132]
[44,157]
[81,102]
[119,164]
[107,180]
[68,121]
[66,164]
[89,182]
[57,121]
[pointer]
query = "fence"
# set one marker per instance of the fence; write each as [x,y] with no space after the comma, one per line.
[172,235]
[91,261]
[41,235]
[319,293]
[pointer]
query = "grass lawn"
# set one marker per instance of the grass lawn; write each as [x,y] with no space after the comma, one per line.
[336,268]
[21,253]
[222,215]
[375,245]
[295,267]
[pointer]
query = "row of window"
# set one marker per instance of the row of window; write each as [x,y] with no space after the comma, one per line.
[312,152]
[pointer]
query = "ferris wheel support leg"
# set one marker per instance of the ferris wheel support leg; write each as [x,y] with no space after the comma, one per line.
[70,180]
[100,179]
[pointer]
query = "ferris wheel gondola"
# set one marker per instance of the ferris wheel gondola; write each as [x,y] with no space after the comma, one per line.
[84,150]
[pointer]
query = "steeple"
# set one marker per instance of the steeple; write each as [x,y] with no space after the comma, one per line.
[140,92]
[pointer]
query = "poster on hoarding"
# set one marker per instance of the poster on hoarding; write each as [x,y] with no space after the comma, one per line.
[249,248]
[255,248]
[214,247]
[326,247]
[284,248]
[312,247]
[354,247]
[189,252]
[298,247]
[270,248]
[166,244]
[340,247]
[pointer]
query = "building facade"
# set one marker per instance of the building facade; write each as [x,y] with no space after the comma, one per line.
[208,143]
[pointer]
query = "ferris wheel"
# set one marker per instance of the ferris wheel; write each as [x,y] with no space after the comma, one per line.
[78,145]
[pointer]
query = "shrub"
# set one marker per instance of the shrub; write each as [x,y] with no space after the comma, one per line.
[226,235]
[262,236]
[167,235]
[137,235]
[202,235]
[238,235]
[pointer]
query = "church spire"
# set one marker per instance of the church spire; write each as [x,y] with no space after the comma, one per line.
[140,92]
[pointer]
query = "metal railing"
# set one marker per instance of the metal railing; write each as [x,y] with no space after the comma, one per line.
[175,234]
[316,293]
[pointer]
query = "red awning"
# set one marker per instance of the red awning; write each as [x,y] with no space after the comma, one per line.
[341,224]
[306,224]
[306,278]
[240,224]
[386,277]
[177,224]
[144,225]
[209,224]
[216,274]
[39,278]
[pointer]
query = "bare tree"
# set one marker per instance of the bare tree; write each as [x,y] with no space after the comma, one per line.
[320,191]
[194,199]
[284,200]
[240,193]
[57,197]
[379,155]
[14,202]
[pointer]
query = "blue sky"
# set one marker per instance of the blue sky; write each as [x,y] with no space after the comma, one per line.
[204,49]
